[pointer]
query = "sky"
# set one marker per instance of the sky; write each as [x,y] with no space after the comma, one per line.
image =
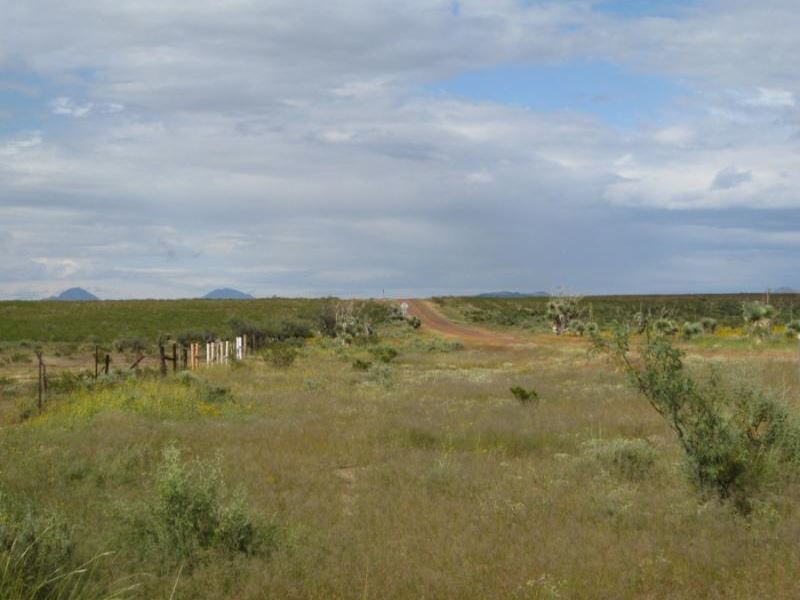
[159,148]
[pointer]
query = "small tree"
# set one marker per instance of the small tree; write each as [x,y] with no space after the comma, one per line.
[730,437]
[562,311]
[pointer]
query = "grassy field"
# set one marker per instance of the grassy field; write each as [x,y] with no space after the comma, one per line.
[420,477]
[112,320]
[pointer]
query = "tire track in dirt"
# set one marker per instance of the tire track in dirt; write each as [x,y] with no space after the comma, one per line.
[436,322]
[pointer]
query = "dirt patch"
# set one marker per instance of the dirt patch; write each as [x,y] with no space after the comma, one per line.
[436,322]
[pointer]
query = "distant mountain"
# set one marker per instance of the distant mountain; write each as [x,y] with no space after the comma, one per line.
[785,290]
[75,294]
[227,294]
[511,295]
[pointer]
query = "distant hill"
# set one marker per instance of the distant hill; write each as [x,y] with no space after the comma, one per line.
[227,294]
[75,294]
[785,290]
[511,295]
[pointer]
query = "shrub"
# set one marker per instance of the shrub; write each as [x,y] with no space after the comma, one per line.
[731,438]
[414,322]
[690,330]
[384,354]
[190,514]
[562,311]
[281,354]
[631,459]
[664,326]
[709,324]
[793,329]
[361,365]
[758,318]
[524,396]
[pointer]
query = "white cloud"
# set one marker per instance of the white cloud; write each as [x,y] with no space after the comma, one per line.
[65,106]
[772,98]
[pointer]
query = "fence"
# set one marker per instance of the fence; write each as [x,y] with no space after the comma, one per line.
[193,356]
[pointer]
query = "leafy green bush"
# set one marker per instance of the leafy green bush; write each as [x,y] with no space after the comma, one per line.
[524,396]
[384,354]
[361,365]
[793,328]
[664,326]
[414,322]
[629,458]
[690,330]
[735,441]
[758,318]
[190,514]
[709,324]
[281,354]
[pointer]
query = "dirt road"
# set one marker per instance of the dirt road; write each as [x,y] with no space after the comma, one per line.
[436,322]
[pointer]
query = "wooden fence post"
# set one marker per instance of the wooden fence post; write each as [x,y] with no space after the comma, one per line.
[108,363]
[41,384]
[96,360]
[174,358]
[162,354]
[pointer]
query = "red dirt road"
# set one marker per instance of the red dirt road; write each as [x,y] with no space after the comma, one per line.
[436,322]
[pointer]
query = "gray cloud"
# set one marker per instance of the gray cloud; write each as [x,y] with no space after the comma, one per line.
[287,147]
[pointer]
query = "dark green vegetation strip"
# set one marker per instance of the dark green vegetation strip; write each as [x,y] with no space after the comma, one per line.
[726,308]
[111,320]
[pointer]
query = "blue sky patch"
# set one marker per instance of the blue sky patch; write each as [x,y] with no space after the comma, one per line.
[643,8]
[612,93]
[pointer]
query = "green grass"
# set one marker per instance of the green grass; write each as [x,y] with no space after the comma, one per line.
[107,321]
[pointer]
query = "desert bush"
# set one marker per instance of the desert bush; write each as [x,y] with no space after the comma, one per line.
[664,326]
[524,396]
[20,357]
[629,458]
[793,328]
[709,324]
[281,354]
[414,322]
[735,440]
[562,311]
[384,354]
[361,365]
[758,318]
[189,514]
[184,338]
[691,330]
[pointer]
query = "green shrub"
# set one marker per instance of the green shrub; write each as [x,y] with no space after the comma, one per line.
[735,441]
[384,354]
[524,396]
[709,324]
[414,322]
[281,354]
[690,330]
[664,326]
[793,329]
[758,318]
[190,514]
[629,458]
[361,365]
[20,357]
[136,345]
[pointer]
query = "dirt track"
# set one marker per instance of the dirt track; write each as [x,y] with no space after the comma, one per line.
[436,322]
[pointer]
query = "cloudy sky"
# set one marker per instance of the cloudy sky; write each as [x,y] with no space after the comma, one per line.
[157,148]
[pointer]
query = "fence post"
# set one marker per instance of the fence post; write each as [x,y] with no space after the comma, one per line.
[174,358]
[96,360]
[108,363]
[41,385]
[163,358]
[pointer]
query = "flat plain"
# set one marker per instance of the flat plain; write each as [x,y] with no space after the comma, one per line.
[400,468]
